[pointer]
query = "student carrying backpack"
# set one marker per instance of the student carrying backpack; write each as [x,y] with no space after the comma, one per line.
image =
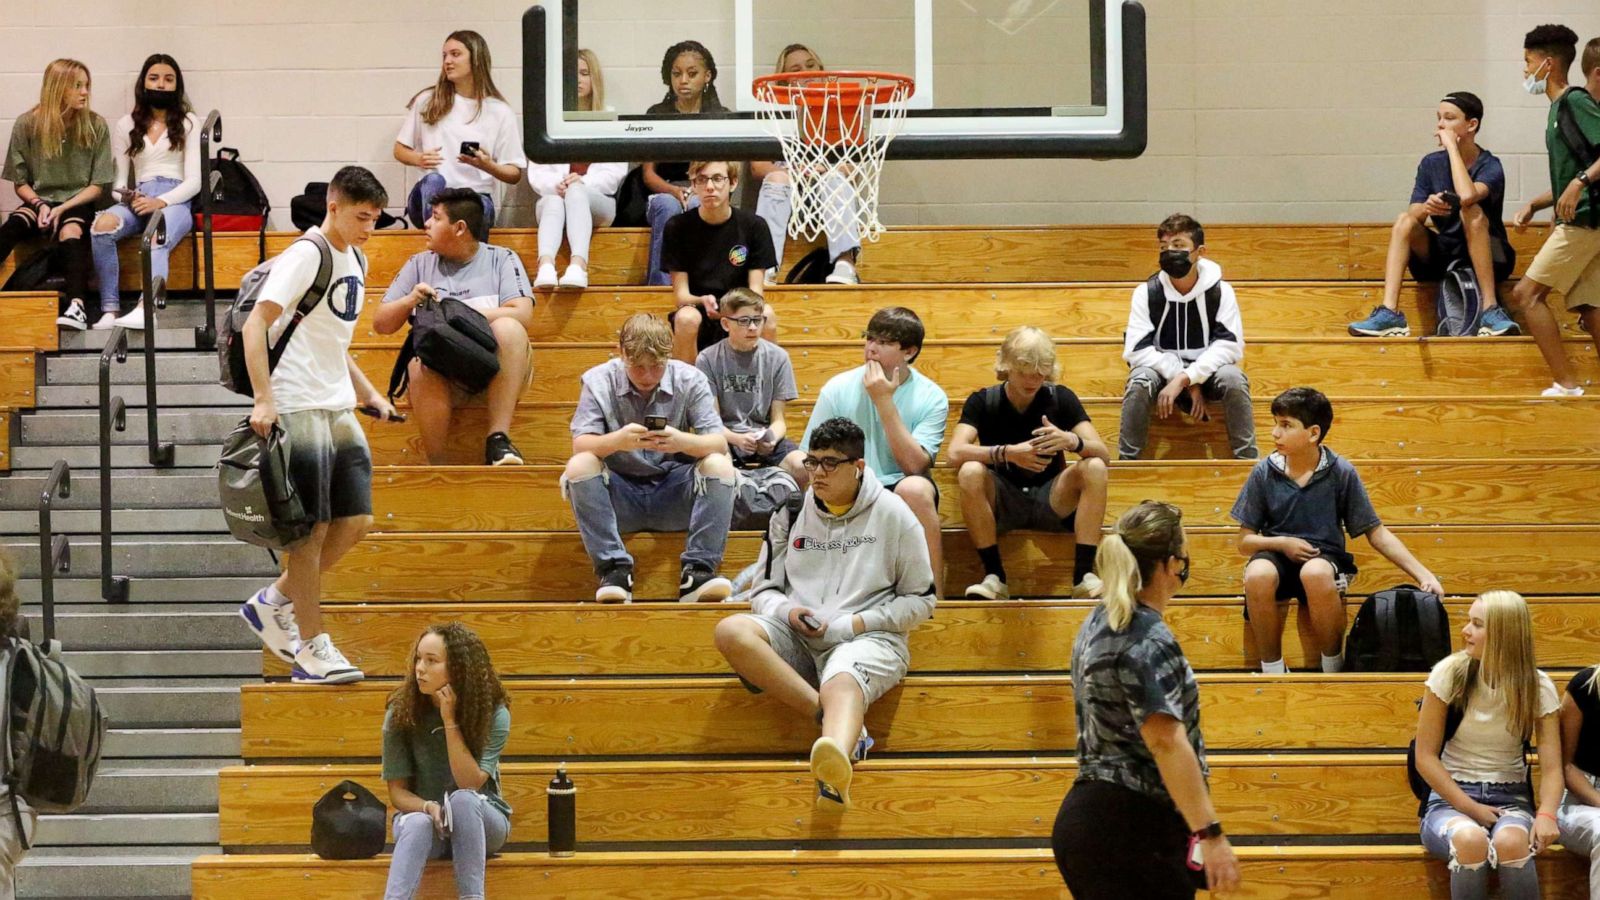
[235,374]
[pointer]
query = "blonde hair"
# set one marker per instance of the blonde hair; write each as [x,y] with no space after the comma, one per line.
[1026,348]
[645,336]
[784,54]
[697,165]
[741,298]
[1507,665]
[444,91]
[1146,536]
[54,119]
[597,82]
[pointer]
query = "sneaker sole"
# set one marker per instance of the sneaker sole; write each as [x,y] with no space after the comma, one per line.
[564,286]
[1513,331]
[831,766]
[1382,332]
[978,592]
[73,324]
[714,591]
[613,595]
[510,459]
[300,676]
[247,612]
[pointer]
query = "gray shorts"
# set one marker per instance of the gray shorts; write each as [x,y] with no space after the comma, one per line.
[1017,507]
[877,660]
[329,462]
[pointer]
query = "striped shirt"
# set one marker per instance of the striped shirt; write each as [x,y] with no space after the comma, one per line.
[1120,679]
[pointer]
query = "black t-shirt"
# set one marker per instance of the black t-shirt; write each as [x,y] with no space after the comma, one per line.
[718,258]
[1587,756]
[998,422]
[673,172]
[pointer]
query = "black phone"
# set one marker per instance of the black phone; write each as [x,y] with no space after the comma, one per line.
[1453,199]
[810,621]
[655,423]
[373,412]
[469,148]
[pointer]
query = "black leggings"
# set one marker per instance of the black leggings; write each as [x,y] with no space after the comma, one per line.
[1114,843]
[75,253]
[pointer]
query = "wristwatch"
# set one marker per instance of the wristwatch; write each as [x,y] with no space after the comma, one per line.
[1214,830]
[1583,177]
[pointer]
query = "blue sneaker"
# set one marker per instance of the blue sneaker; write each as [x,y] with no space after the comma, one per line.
[864,746]
[1497,323]
[1383,322]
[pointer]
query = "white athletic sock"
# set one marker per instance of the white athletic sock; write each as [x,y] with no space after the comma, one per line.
[1332,663]
[1276,667]
[275,596]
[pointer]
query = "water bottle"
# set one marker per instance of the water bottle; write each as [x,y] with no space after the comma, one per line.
[563,813]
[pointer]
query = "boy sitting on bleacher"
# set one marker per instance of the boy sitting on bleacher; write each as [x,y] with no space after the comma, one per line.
[709,251]
[846,580]
[648,455]
[752,380]
[1290,514]
[1184,343]
[1456,217]
[492,281]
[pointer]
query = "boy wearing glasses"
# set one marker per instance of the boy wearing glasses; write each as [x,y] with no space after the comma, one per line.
[752,381]
[846,578]
[711,250]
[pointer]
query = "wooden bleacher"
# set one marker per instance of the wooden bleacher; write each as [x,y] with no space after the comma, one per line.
[1487,483]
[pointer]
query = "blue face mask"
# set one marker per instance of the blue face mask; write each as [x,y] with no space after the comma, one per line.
[1534,84]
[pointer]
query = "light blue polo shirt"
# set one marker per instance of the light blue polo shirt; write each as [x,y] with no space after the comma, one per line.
[922,404]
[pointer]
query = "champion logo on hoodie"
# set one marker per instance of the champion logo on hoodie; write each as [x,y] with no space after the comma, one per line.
[804,543]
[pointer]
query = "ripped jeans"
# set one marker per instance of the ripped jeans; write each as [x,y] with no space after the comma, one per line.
[609,505]
[1519,879]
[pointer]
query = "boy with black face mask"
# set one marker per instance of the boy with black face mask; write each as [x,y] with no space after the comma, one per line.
[1184,344]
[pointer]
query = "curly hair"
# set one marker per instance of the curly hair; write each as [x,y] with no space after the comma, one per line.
[477,688]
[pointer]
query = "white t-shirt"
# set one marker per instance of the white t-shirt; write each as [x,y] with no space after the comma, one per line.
[312,372]
[1482,748]
[495,130]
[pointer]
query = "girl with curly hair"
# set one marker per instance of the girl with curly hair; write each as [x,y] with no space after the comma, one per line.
[442,738]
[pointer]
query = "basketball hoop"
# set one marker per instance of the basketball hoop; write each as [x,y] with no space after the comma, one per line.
[835,128]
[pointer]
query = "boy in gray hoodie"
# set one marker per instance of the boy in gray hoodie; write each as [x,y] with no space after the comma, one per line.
[846,579]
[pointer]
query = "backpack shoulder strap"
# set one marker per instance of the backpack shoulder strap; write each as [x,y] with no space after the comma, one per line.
[1578,144]
[1388,622]
[1434,632]
[1155,297]
[1213,301]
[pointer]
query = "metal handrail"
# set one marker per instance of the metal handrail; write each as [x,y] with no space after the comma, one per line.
[205,336]
[113,414]
[55,553]
[162,455]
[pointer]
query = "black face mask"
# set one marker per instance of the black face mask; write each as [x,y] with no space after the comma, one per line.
[1176,263]
[160,99]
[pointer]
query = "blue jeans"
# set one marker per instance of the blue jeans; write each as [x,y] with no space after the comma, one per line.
[658,212]
[476,830]
[1519,879]
[609,505]
[419,206]
[180,221]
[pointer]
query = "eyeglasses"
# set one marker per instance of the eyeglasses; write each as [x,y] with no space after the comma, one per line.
[713,180]
[748,321]
[826,463]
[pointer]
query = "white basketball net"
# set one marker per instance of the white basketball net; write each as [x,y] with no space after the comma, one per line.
[834,149]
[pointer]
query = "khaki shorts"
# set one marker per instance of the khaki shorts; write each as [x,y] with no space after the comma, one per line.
[1569,262]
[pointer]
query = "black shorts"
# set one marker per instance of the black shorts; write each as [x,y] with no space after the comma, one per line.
[1289,586]
[743,460]
[1441,253]
[929,480]
[711,331]
[1114,843]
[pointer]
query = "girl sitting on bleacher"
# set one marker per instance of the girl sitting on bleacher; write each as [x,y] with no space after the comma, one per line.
[690,73]
[576,198]
[442,738]
[59,161]
[160,142]
[1482,706]
[1580,750]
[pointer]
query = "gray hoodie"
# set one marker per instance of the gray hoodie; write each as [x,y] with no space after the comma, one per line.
[871,561]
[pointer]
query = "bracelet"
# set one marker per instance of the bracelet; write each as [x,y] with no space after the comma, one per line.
[1583,177]
[1545,815]
[457,727]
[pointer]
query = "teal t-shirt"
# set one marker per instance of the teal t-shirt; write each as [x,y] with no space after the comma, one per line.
[422,757]
[1563,166]
[922,405]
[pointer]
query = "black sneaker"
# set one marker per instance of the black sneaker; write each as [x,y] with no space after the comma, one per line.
[74,317]
[698,585]
[616,585]
[499,451]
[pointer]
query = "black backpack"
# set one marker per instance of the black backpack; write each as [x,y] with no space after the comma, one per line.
[1578,144]
[307,210]
[633,197]
[1402,629]
[1460,305]
[237,201]
[347,823]
[450,338]
[52,731]
[813,268]
[258,497]
[39,272]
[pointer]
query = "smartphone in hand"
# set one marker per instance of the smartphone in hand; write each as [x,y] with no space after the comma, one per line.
[655,423]
[469,148]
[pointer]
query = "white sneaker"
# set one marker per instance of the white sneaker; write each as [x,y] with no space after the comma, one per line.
[575,278]
[74,317]
[546,277]
[106,322]
[990,588]
[133,319]
[273,624]
[830,766]
[1556,390]
[320,662]
[1089,588]
[843,273]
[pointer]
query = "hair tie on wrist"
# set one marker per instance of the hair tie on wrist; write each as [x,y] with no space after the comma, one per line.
[1546,815]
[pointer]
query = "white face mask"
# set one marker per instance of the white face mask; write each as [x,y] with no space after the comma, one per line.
[1535,85]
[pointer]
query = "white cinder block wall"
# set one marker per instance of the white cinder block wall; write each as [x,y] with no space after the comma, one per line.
[1261,110]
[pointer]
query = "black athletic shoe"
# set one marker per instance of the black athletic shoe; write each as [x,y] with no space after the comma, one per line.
[499,451]
[616,585]
[698,585]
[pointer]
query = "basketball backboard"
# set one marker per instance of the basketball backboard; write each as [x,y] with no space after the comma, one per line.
[994,78]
